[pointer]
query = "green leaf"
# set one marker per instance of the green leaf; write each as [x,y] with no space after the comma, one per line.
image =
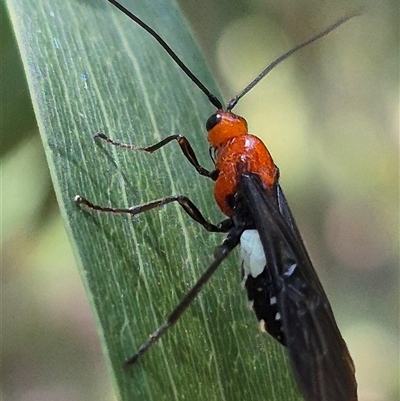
[91,69]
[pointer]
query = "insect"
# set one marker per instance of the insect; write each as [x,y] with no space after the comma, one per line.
[282,285]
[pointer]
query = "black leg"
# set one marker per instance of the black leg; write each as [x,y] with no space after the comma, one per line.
[188,206]
[184,144]
[219,255]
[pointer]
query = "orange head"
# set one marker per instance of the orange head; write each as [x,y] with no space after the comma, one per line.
[224,125]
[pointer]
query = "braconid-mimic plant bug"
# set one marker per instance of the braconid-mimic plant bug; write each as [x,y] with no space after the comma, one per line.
[282,286]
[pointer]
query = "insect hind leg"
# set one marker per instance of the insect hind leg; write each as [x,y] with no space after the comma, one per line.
[220,254]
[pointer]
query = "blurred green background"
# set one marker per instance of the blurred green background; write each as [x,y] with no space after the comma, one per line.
[330,119]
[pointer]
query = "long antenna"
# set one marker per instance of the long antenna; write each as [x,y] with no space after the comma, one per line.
[232,103]
[212,98]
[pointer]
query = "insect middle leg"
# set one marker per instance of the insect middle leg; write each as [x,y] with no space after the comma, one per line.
[188,206]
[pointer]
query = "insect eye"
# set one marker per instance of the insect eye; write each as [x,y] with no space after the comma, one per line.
[213,121]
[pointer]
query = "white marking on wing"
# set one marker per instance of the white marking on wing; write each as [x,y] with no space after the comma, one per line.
[252,253]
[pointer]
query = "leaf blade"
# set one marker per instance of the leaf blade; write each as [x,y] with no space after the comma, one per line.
[83,79]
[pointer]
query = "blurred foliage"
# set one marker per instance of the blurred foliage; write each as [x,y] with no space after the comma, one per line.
[330,118]
[16,109]
[50,348]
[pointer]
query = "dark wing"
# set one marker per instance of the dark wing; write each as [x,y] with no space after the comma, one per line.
[318,354]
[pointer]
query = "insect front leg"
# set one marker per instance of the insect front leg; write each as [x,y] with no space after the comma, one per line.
[183,143]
